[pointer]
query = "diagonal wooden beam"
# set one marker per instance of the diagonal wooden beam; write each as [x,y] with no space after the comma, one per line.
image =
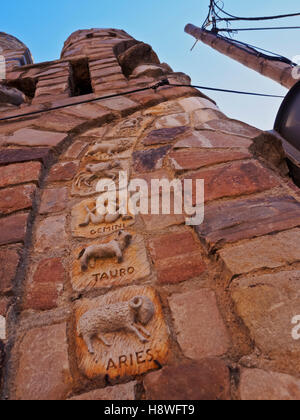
[275,70]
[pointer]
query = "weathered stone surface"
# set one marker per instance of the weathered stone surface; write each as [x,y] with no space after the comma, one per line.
[16,198]
[89,111]
[47,284]
[244,219]
[9,261]
[234,179]
[24,155]
[194,103]
[125,392]
[58,121]
[164,108]
[13,229]
[75,150]
[195,159]
[170,121]
[234,127]
[136,55]
[108,272]
[259,385]
[162,221]
[43,372]
[149,160]
[20,173]
[177,257]
[64,171]
[127,356]
[267,304]
[148,70]
[211,139]
[265,252]
[30,137]
[199,327]
[206,380]
[202,116]
[54,200]
[5,303]
[129,127]
[121,104]
[51,234]
[164,135]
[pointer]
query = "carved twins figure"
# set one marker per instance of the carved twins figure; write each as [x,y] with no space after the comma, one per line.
[130,316]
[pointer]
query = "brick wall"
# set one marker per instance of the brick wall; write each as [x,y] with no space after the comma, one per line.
[225,292]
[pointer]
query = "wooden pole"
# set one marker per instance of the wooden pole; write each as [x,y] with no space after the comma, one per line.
[275,70]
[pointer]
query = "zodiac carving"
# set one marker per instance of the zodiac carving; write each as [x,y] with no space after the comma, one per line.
[129,316]
[111,249]
[97,219]
[98,171]
[110,148]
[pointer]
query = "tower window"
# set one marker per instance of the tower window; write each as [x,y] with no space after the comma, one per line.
[80,78]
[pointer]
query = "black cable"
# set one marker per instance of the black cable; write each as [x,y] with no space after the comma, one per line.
[164,82]
[256,29]
[234,18]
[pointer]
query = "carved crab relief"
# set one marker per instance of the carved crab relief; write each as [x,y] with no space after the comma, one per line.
[113,261]
[121,334]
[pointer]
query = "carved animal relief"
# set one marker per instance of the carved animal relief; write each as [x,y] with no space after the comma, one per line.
[120,334]
[112,261]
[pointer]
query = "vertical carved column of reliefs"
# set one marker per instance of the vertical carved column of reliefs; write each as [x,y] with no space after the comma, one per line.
[116,260]
[121,334]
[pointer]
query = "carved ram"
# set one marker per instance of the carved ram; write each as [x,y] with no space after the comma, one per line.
[130,316]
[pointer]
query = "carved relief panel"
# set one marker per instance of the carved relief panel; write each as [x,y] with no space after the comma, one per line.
[121,334]
[115,260]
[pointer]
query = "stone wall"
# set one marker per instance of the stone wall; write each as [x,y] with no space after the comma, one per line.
[224,292]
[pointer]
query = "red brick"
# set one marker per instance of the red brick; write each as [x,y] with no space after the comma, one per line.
[13,229]
[198,324]
[207,380]
[164,135]
[63,171]
[24,155]
[121,104]
[47,285]
[212,139]
[43,370]
[16,198]
[233,221]
[30,137]
[19,173]
[172,245]
[149,160]
[146,99]
[196,159]
[54,200]
[176,257]
[57,121]
[125,392]
[88,111]
[9,261]
[234,179]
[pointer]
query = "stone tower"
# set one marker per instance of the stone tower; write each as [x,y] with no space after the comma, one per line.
[15,52]
[144,306]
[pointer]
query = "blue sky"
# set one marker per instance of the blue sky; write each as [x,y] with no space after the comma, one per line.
[44,25]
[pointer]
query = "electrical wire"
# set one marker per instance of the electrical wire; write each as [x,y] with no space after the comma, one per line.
[164,82]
